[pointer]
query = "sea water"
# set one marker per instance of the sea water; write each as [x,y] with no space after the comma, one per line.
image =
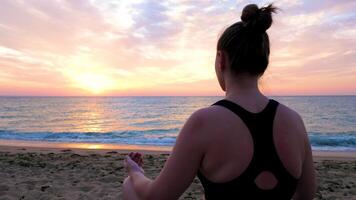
[330,120]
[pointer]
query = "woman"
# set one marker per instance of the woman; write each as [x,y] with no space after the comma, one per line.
[245,146]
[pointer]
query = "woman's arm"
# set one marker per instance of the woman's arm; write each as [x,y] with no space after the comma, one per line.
[181,166]
[307,184]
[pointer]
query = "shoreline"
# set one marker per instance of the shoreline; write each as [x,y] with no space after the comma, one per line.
[93,147]
[16,146]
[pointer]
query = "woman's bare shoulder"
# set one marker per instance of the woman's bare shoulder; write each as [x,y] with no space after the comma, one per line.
[207,114]
[203,119]
[288,116]
[200,119]
[289,124]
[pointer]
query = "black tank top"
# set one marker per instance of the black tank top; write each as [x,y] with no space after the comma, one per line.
[265,158]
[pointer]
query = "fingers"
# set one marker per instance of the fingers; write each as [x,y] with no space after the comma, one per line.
[129,160]
[137,157]
[127,164]
[134,154]
[131,165]
[131,154]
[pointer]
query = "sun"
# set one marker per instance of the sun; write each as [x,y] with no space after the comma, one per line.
[93,82]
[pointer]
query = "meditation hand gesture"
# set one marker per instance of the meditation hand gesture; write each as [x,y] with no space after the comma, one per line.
[134,162]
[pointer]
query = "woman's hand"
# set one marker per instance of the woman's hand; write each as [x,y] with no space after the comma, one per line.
[134,162]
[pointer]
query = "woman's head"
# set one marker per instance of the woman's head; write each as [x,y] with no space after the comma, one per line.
[243,48]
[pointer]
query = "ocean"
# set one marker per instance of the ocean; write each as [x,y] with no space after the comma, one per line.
[156,121]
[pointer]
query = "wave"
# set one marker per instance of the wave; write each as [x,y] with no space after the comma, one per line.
[160,137]
[333,141]
[164,137]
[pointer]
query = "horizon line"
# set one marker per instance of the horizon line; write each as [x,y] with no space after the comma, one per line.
[297,95]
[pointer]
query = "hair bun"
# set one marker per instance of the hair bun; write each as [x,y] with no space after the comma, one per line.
[258,19]
[250,12]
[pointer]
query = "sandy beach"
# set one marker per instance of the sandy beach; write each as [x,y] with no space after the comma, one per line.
[63,173]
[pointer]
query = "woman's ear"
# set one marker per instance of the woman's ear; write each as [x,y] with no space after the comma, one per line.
[220,67]
[221,60]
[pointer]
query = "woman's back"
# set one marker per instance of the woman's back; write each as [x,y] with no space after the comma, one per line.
[246,146]
[231,158]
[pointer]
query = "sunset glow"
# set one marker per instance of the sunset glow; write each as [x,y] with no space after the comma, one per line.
[147,47]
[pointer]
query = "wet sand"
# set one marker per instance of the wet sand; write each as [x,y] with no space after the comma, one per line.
[57,173]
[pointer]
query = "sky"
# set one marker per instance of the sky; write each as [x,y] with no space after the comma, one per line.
[151,47]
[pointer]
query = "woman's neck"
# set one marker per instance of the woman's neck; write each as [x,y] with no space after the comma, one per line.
[243,88]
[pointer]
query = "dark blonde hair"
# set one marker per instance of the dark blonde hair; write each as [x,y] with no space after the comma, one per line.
[246,42]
